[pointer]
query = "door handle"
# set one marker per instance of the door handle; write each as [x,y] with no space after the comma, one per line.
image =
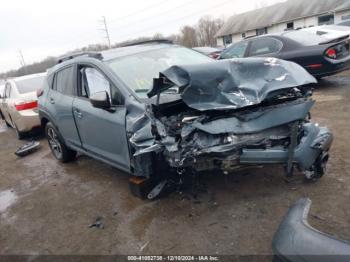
[52,101]
[78,113]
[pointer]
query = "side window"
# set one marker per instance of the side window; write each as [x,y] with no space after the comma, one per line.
[96,81]
[64,81]
[7,90]
[236,51]
[93,81]
[264,46]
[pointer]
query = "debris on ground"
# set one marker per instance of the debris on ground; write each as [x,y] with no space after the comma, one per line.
[98,223]
[144,246]
[28,148]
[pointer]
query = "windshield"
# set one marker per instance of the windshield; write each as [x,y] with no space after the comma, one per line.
[138,70]
[30,84]
[305,38]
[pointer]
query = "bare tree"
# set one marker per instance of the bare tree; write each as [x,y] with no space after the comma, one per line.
[188,36]
[157,36]
[206,30]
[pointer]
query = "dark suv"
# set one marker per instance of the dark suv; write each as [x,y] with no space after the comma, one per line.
[153,107]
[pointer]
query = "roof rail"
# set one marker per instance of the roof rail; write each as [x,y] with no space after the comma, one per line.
[63,58]
[153,41]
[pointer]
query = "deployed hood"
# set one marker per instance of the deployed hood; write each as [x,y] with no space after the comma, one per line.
[231,84]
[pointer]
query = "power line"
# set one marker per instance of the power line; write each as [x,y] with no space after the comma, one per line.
[105,30]
[138,12]
[114,20]
[178,19]
[154,15]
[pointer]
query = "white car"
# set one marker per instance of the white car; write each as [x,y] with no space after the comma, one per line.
[329,31]
[19,103]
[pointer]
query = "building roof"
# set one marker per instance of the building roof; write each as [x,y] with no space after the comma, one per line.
[280,12]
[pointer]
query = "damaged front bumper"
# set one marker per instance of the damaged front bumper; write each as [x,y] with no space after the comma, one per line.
[295,240]
[317,140]
[230,118]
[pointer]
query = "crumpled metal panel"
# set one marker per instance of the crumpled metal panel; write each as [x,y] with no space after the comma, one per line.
[296,241]
[270,118]
[231,84]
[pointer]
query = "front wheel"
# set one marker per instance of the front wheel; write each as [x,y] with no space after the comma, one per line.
[58,148]
[318,169]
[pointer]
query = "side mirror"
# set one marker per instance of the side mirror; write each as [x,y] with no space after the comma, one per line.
[100,100]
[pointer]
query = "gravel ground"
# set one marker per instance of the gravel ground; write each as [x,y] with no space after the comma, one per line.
[47,207]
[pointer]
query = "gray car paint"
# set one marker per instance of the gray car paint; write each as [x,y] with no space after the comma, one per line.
[296,241]
[147,136]
[231,84]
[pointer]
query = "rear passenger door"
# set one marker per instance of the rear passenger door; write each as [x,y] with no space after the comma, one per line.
[265,46]
[102,131]
[60,102]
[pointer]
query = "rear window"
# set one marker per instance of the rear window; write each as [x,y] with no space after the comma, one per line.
[30,84]
[305,38]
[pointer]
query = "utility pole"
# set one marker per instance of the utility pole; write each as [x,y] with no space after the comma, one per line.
[21,61]
[21,58]
[105,30]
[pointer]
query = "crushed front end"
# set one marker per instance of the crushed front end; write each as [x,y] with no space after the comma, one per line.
[230,114]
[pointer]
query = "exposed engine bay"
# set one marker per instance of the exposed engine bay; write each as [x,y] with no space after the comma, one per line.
[229,114]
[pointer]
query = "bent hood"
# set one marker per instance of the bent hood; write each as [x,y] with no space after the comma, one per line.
[231,84]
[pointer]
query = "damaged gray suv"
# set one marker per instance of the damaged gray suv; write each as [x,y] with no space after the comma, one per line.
[156,110]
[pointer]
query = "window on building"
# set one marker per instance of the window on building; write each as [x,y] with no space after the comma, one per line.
[243,35]
[227,39]
[345,17]
[290,26]
[326,20]
[261,31]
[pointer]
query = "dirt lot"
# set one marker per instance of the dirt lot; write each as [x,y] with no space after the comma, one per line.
[47,207]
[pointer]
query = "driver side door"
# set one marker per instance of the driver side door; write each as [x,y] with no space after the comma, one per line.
[102,131]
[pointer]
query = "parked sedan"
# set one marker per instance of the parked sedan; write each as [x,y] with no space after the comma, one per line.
[318,55]
[161,111]
[19,104]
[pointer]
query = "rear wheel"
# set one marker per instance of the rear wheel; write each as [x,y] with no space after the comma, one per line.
[7,124]
[58,148]
[20,135]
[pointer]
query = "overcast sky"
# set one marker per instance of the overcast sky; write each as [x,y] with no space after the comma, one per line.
[42,28]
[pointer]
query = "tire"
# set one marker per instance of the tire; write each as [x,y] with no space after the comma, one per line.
[318,170]
[20,135]
[60,151]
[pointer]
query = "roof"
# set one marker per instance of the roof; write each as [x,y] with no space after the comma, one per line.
[27,76]
[281,12]
[132,50]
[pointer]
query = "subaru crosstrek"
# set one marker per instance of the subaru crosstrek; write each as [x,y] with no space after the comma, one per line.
[156,110]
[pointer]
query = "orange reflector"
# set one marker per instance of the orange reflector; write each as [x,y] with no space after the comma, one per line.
[137,180]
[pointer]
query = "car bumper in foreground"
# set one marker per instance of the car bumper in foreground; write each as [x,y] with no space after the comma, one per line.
[295,240]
